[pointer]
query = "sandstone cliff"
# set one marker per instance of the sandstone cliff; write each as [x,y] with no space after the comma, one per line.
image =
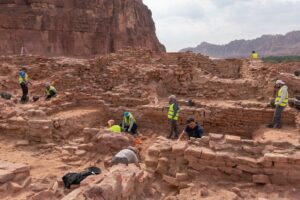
[267,45]
[75,27]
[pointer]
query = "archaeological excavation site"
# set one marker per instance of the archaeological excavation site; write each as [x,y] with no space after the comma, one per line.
[105,62]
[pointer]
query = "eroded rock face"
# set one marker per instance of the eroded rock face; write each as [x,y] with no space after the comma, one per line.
[73,27]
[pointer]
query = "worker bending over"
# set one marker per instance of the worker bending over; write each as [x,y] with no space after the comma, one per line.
[23,81]
[192,129]
[173,115]
[112,127]
[281,102]
[129,124]
[50,91]
[126,156]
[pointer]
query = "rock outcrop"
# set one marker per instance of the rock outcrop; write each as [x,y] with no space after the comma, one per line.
[267,45]
[77,28]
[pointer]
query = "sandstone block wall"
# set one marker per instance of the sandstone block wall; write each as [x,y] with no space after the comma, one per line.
[228,157]
[229,120]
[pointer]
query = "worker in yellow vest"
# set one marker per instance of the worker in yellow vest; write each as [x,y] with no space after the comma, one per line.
[50,91]
[129,124]
[281,101]
[254,55]
[23,81]
[173,116]
[112,127]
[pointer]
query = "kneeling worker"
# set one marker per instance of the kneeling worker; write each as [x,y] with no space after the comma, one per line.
[50,91]
[126,156]
[112,127]
[129,124]
[192,129]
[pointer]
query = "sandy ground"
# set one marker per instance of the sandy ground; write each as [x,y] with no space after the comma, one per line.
[286,134]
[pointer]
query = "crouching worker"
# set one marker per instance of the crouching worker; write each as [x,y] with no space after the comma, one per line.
[50,91]
[112,127]
[126,156]
[192,129]
[129,124]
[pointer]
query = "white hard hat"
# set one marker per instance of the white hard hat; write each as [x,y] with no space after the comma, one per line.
[279,82]
[172,97]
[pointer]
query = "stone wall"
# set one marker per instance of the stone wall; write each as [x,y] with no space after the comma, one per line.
[227,119]
[227,157]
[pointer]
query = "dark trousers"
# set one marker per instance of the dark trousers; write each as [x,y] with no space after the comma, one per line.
[24,88]
[277,116]
[52,94]
[173,130]
[133,130]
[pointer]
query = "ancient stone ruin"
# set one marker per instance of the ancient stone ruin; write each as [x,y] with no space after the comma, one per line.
[237,158]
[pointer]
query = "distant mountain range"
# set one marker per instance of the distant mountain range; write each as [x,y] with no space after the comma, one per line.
[266,45]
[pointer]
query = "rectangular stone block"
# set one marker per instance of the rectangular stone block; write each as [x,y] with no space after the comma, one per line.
[208,154]
[215,136]
[230,171]
[195,165]
[193,151]
[211,163]
[249,169]
[246,161]
[273,171]
[275,157]
[232,139]
[224,156]
[154,151]
[179,147]
[278,179]
[151,161]
[261,179]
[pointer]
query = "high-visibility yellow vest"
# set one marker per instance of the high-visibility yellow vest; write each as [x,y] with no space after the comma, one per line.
[127,120]
[255,56]
[171,113]
[51,88]
[286,98]
[23,80]
[115,129]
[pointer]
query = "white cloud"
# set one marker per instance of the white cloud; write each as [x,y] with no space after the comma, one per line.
[186,23]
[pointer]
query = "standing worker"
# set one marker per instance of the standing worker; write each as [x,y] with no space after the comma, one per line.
[254,55]
[50,91]
[129,124]
[173,115]
[281,102]
[23,81]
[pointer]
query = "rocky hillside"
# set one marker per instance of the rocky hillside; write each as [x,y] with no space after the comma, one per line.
[74,27]
[267,45]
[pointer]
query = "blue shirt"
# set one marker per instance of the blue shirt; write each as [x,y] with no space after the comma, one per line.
[195,132]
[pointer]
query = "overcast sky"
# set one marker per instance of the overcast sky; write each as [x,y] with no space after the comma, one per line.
[187,23]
